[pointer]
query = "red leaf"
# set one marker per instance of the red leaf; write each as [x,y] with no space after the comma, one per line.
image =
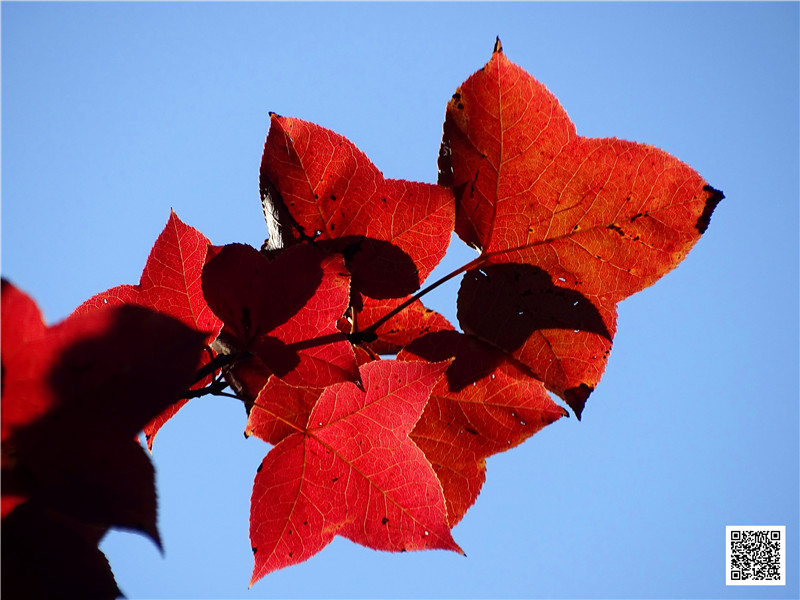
[319,186]
[352,472]
[604,218]
[27,322]
[284,311]
[170,284]
[22,322]
[87,386]
[473,414]
[74,397]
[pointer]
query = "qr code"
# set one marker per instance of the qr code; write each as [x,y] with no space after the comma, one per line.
[755,555]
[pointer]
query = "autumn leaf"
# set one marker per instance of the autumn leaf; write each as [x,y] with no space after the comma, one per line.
[75,395]
[25,320]
[602,217]
[22,322]
[317,185]
[170,284]
[96,378]
[282,312]
[352,471]
[484,406]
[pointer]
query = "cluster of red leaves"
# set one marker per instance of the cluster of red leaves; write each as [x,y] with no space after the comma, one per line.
[387,452]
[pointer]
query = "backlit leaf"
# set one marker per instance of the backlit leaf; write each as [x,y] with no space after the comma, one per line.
[74,397]
[603,217]
[170,284]
[485,405]
[321,187]
[352,471]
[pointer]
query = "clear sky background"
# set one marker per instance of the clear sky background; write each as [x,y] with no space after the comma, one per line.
[113,113]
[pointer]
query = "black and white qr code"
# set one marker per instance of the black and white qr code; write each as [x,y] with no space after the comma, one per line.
[755,555]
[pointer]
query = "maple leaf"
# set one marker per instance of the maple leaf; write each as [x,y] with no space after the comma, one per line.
[283,313]
[75,395]
[316,185]
[602,218]
[351,470]
[485,405]
[170,284]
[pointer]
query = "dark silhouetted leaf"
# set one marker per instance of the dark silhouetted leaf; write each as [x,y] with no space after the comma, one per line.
[282,312]
[75,395]
[170,284]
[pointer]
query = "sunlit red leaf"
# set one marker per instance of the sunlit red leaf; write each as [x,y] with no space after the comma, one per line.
[485,405]
[603,217]
[353,471]
[321,187]
[170,284]
[284,312]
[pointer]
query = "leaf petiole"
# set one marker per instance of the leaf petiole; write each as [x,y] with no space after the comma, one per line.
[371,331]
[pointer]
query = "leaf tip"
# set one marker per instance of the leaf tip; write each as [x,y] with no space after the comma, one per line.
[715,197]
[498,46]
[256,573]
[576,398]
[154,536]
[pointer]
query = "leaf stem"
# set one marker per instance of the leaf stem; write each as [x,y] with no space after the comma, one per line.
[216,363]
[371,331]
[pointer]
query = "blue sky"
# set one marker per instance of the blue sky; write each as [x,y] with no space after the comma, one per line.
[113,113]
